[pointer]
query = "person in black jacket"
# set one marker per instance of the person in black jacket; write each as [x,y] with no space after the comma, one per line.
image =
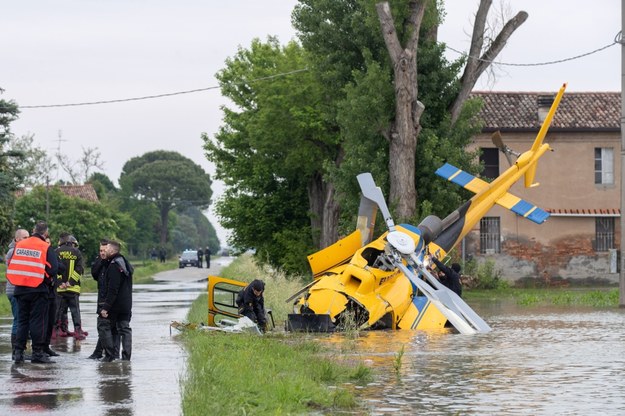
[115,308]
[98,272]
[450,276]
[200,253]
[251,303]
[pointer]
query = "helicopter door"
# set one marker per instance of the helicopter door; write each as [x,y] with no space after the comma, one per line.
[222,295]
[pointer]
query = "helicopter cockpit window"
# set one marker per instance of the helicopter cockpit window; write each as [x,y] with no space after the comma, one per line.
[371,255]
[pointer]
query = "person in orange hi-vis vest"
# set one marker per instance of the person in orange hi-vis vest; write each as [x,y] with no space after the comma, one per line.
[31,269]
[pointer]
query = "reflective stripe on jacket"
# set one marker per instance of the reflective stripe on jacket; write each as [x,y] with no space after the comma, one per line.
[27,266]
[72,259]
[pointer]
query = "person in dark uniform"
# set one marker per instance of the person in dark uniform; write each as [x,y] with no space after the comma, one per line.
[251,303]
[207,255]
[450,276]
[31,269]
[71,268]
[98,272]
[116,306]
[200,253]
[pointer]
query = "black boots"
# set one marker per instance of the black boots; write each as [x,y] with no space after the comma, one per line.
[18,356]
[50,352]
[41,357]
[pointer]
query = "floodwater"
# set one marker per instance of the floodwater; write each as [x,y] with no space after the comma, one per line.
[75,385]
[547,361]
[536,361]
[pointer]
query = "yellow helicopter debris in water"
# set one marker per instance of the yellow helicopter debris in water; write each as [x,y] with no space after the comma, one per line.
[385,283]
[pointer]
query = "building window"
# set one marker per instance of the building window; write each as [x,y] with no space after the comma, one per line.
[489,158]
[490,235]
[604,165]
[604,233]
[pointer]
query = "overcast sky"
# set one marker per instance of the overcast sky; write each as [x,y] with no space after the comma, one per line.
[74,51]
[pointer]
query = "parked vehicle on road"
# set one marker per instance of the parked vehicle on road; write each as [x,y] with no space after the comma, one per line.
[188,258]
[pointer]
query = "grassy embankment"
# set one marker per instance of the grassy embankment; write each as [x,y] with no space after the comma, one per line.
[278,373]
[144,272]
[602,297]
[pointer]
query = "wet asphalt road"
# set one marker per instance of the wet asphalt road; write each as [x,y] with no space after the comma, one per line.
[75,385]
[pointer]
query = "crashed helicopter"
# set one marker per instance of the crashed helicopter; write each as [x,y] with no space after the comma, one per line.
[385,283]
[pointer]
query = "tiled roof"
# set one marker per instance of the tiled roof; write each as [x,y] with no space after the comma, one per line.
[589,212]
[577,110]
[85,191]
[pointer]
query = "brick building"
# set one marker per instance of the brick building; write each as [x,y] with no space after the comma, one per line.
[579,187]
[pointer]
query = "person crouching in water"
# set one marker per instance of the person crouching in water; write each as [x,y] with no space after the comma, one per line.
[116,306]
[252,304]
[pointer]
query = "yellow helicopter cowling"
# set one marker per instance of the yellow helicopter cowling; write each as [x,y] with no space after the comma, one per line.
[422,314]
[332,256]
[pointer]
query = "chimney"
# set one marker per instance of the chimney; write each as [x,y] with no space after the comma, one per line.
[544,104]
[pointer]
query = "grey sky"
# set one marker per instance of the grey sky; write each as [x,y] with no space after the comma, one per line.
[71,51]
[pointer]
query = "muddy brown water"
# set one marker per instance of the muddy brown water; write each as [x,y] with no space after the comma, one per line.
[75,385]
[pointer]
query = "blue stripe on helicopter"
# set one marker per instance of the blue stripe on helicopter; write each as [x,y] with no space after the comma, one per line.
[461,177]
[530,211]
[415,230]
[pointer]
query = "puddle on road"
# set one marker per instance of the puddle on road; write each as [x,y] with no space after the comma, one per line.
[76,385]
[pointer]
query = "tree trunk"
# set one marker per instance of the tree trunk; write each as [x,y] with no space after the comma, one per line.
[164,210]
[476,66]
[408,110]
[324,210]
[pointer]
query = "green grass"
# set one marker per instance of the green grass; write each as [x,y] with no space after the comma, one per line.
[274,374]
[588,297]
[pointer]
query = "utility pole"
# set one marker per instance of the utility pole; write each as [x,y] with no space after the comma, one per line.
[621,219]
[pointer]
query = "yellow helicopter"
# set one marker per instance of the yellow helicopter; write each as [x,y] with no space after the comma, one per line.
[385,283]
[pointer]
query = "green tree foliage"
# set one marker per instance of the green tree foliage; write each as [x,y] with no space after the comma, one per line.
[362,79]
[167,180]
[270,150]
[9,177]
[88,221]
[102,184]
[194,230]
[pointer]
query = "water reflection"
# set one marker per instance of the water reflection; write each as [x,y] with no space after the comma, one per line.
[538,361]
[115,387]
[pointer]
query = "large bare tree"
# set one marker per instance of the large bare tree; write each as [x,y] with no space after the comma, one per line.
[404,130]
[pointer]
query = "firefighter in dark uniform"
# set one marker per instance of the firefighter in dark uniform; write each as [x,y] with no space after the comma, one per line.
[71,269]
[31,269]
[251,303]
[115,307]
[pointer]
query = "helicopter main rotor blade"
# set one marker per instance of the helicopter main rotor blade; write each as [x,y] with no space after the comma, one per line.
[371,191]
[448,297]
[453,316]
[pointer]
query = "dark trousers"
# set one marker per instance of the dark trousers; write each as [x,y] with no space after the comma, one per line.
[33,319]
[15,312]
[52,306]
[70,301]
[121,322]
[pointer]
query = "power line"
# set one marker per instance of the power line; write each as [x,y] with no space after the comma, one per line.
[617,39]
[149,97]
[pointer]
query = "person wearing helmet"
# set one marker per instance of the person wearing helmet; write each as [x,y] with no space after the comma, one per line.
[69,286]
[252,304]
